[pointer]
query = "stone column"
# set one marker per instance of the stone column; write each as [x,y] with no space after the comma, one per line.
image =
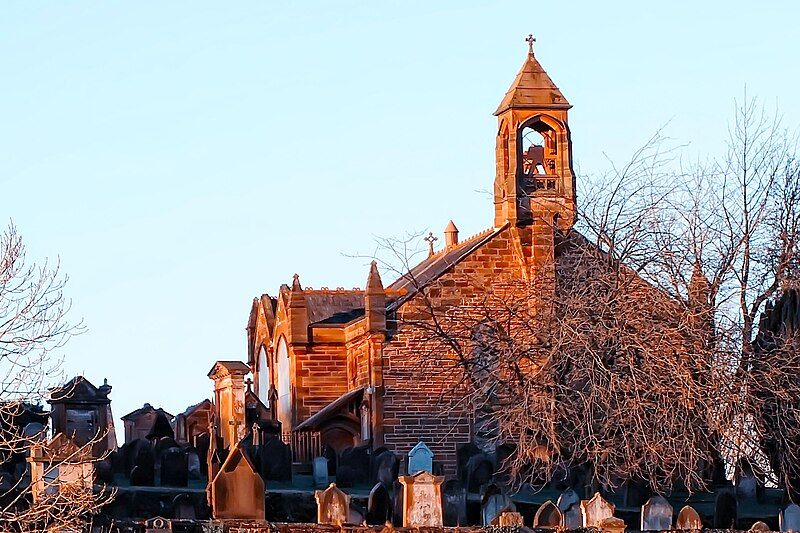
[229,390]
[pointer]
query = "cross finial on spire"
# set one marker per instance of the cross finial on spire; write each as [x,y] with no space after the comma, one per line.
[430,239]
[530,39]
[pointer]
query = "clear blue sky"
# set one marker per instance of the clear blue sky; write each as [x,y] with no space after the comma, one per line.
[183,157]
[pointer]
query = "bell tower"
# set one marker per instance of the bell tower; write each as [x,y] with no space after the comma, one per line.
[534,183]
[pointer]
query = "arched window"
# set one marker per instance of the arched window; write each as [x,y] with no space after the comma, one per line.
[263,375]
[536,153]
[284,385]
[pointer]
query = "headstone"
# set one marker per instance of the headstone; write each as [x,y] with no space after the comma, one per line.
[158,525]
[463,454]
[567,499]
[510,519]
[548,516]
[420,459]
[759,526]
[656,514]
[789,518]
[320,470]
[174,468]
[237,491]
[353,466]
[455,503]
[333,506]
[275,459]
[143,472]
[479,472]
[688,519]
[612,524]
[573,517]
[386,467]
[379,505]
[595,510]
[494,505]
[183,508]
[725,511]
[422,500]
[193,461]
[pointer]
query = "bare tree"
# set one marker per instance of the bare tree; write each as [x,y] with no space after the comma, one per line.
[640,366]
[33,324]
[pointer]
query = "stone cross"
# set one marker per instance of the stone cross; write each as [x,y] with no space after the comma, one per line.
[530,39]
[333,506]
[422,500]
[430,239]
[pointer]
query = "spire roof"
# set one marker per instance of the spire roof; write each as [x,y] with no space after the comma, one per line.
[533,88]
[374,283]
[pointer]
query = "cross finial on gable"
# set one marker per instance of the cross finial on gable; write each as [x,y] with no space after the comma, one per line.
[430,239]
[530,39]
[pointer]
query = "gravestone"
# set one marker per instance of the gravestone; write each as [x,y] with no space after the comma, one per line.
[612,524]
[353,466]
[379,505]
[193,461]
[320,470]
[158,525]
[420,459]
[183,508]
[479,472]
[573,517]
[567,499]
[595,510]
[333,506]
[143,472]
[493,506]
[548,516]
[510,519]
[688,519]
[455,503]
[725,511]
[463,454]
[656,514]
[237,490]
[422,500]
[174,468]
[789,518]
[275,459]
[759,526]
[385,467]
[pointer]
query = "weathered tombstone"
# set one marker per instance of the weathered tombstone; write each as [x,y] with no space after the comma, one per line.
[422,500]
[353,466]
[333,506]
[237,490]
[567,499]
[463,454]
[193,461]
[725,511]
[493,506]
[759,526]
[420,459]
[688,519]
[143,472]
[789,518]
[455,503]
[595,510]
[479,472]
[656,514]
[379,505]
[573,517]
[174,468]
[386,467]
[320,471]
[158,525]
[612,524]
[275,459]
[183,508]
[510,519]
[548,516]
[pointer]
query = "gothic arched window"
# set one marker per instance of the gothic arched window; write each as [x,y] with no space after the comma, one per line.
[284,385]
[263,375]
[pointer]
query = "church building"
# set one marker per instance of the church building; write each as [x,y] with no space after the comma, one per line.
[336,368]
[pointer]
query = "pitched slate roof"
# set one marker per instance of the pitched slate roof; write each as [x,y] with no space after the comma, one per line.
[533,88]
[145,409]
[324,304]
[434,266]
[331,410]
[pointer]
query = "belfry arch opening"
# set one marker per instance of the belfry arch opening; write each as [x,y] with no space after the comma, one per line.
[537,149]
